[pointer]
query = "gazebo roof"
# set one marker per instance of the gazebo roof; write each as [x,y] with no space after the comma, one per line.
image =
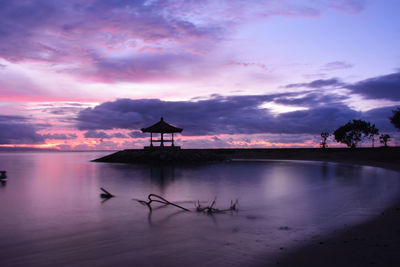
[161,127]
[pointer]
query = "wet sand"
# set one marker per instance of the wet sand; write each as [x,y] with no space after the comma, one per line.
[372,243]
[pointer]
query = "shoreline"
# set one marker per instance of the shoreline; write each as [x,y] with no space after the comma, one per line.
[388,156]
[383,165]
[374,242]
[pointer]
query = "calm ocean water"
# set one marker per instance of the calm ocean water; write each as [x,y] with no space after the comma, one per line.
[51,213]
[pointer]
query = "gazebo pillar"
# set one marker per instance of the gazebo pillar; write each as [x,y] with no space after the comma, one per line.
[172,139]
[151,139]
[162,139]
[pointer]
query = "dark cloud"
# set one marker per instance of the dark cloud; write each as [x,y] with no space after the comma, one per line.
[103,135]
[135,114]
[315,120]
[137,134]
[312,99]
[244,114]
[218,115]
[380,117]
[215,138]
[96,134]
[17,130]
[12,118]
[334,82]
[119,135]
[381,87]
[59,136]
[289,138]
[62,110]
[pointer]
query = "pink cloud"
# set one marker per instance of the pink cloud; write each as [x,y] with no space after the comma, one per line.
[31,99]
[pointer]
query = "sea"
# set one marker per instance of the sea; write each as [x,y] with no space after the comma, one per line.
[51,212]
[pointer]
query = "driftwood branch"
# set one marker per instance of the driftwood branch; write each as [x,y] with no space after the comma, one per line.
[106,194]
[210,209]
[159,199]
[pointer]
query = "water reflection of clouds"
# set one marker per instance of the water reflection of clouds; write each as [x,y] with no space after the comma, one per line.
[155,220]
[53,198]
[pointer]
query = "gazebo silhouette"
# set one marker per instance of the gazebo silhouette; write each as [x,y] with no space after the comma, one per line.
[162,128]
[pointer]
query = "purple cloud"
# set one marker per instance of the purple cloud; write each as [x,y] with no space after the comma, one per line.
[334,82]
[138,68]
[351,6]
[57,136]
[62,108]
[381,87]
[137,134]
[129,40]
[380,117]
[119,135]
[96,134]
[103,135]
[45,30]
[135,114]
[218,115]
[325,110]
[311,99]
[336,65]
[249,64]
[315,120]
[17,130]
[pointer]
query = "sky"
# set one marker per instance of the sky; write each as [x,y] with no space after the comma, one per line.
[88,74]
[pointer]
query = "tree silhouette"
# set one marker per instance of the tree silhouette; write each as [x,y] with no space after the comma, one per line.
[384,139]
[324,136]
[352,132]
[372,132]
[395,119]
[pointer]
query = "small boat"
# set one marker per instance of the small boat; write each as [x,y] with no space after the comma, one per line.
[3,175]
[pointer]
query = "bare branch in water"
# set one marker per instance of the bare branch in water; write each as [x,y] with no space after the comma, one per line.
[159,199]
[106,194]
[210,209]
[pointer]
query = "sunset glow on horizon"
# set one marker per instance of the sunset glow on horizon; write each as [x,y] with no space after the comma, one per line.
[87,75]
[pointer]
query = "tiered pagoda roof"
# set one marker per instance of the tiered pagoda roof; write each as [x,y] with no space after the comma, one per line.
[162,127]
